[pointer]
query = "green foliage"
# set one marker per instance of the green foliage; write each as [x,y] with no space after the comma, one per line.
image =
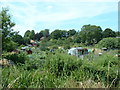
[71,32]
[6,23]
[16,58]
[91,34]
[29,35]
[43,48]
[38,36]
[45,69]
[110,43]
[45,32]
[26,40]
[77,39]
[32,35]
[61,64]
[67,46]
[18,39]
[118,33]
[6,27]
[56,34]
[53,70]
[108,33]
[10,45]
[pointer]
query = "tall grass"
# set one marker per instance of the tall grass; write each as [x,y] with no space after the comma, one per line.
[59,70]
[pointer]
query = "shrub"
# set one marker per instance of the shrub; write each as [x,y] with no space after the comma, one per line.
[110,43]
[16,58]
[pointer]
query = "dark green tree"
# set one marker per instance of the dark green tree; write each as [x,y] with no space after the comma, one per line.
[56,34]
[64,33]
[38,36]
[90,34]
[118,33]
[27,33]
[18,39]
[27,37]
[108,33]
[71,32]
[26,40]
[32,35]
[45,33]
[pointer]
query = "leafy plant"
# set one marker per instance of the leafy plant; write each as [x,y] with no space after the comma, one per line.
[16,58]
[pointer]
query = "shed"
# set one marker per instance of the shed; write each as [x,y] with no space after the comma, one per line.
[78,51]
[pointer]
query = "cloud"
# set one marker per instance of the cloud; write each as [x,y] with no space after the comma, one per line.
[49,7]
[27,14]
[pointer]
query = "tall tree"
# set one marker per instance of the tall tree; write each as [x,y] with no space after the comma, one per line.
[27,37]
[6,26]
[91,34]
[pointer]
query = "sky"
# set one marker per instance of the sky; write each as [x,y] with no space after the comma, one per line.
[61,14]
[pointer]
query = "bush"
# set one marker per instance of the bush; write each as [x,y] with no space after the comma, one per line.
[16,58]
[110,43]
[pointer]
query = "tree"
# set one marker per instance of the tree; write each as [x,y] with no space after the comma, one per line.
[56,34]
[64,33]
[90,34]
[26,40]
[45,32]
[38,36]
[6,26]
[77,39]
[118,33]
[18,39]
[108,33]
[27,33]
[6,23]
[71,32]
[32,35]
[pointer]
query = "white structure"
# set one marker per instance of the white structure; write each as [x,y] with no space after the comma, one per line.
[78,51]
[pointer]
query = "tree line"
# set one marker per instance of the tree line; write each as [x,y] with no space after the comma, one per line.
[89,34]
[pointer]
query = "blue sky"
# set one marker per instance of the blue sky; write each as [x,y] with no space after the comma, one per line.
[62,14]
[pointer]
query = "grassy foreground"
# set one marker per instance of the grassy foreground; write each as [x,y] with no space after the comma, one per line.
[60,70]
